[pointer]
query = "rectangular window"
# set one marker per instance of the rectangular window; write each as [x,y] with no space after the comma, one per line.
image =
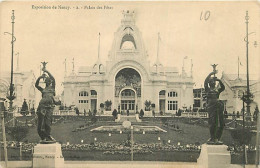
[196,103]
[197,95]
[127,104]
[172,105]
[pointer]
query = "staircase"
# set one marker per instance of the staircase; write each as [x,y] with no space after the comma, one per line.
[131,118]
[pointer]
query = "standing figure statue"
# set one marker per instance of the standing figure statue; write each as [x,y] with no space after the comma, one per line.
[215,107]
[46,105]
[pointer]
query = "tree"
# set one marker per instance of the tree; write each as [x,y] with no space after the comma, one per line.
[147,104]
[108,104]
[24,110]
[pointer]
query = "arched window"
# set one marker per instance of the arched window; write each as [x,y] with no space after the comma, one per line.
[128,42]
[83,93]
[128,93]
[162,93]
[172,94]
[95,69]
[93,92]
[101,69]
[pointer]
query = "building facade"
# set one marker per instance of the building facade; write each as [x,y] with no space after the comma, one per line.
[235,86]
[199,96]
[127,79]
[24,88]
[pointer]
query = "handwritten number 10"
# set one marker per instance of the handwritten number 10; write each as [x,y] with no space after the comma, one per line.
[205,15]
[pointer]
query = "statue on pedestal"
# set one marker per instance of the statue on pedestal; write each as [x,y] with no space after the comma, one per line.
[215,107]
[46,105]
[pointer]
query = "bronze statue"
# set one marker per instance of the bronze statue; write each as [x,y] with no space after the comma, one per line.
[215,107]
[46,105]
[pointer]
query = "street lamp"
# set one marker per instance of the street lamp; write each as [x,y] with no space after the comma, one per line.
[11,95]
[132,143]
[248,96]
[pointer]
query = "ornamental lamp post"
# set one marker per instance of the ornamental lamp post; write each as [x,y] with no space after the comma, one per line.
[248,96]
[11,95]
[132,143]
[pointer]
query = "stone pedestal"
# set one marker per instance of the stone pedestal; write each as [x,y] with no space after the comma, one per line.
[48,155]
[118,118]
[214,156]
[137,118]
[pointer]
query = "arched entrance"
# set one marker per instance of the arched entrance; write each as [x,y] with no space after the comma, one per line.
[128,90]
[128,100]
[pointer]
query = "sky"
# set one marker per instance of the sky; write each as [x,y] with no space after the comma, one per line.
[55,34]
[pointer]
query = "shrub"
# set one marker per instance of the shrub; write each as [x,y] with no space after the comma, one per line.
[102,105]
[25,109]
[153,105]
[108,104]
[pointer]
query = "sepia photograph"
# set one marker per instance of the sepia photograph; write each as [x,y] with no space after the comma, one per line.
[156,84]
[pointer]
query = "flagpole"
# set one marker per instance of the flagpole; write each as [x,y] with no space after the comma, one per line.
[73,65]
[247,70]
[98,44]
[238,67]
[158,46]
[65,62]
[191,72]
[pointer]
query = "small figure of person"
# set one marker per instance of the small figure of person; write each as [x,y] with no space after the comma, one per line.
[215,107]
[46,106]
[225,114]
[114,113]
[141,113]
[77,111]
[94,112]
[255,115]
[89,113]
[238,116]
[233,115]
[161,113]
[179,112]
